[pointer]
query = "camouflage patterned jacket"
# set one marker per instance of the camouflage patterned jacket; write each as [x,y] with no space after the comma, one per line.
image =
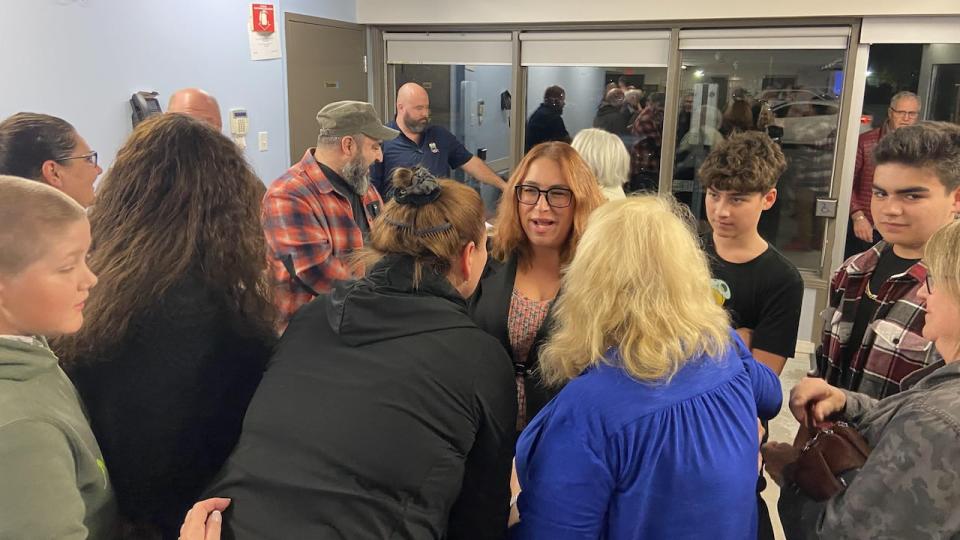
[910,485]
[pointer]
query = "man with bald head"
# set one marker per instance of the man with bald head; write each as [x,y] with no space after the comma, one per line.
[421,143]
[198,104]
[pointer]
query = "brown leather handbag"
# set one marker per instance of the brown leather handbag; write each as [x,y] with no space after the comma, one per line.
[828,454]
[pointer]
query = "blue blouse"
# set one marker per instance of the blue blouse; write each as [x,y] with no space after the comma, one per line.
[611,457]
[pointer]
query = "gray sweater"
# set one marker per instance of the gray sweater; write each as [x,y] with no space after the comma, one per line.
[910,485]
[53,481]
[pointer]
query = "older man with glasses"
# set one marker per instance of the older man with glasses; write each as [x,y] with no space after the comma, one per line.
[861,232]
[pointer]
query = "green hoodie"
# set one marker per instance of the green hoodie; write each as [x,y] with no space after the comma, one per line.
[53,481]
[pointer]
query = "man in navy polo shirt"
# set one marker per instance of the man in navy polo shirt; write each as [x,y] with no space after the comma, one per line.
[420,143]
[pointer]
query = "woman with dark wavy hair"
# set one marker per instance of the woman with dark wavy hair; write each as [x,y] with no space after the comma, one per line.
[179,328]
[48,149]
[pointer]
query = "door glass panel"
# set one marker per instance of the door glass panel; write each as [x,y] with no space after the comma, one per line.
[791,94]
[633,110]
[944,94]
[469,101]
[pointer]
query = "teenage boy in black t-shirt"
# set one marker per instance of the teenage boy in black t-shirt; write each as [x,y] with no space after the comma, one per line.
[757,285]
[760,289]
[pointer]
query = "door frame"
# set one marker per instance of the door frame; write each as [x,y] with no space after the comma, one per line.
[289,18]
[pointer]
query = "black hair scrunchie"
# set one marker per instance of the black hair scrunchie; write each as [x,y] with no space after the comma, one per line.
[424,190]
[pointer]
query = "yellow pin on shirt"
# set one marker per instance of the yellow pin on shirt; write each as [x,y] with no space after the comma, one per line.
[103,471]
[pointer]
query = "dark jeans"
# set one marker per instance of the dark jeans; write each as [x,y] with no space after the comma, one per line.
[764,525]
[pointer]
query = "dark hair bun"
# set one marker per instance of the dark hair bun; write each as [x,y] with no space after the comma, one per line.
[415,187]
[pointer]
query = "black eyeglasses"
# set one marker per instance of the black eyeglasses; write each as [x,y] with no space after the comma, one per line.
[929,282]
[557,197]
[90,158]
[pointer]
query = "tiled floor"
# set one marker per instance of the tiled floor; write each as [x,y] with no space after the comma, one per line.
[784,428]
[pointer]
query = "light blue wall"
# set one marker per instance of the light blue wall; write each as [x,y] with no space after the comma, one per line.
[82,59]
[493,132]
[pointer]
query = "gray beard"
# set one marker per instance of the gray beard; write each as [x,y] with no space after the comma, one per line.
[357,176]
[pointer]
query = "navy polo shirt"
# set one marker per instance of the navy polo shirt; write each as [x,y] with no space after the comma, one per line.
[439,150]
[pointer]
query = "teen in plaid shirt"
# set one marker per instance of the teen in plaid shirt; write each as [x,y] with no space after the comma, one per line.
[318,212]
[872,335]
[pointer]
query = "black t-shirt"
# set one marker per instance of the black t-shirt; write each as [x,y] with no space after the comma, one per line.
[763,294]
[888,266]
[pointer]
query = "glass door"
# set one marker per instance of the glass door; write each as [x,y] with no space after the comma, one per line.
[468,78]
[787,84]
[615,81]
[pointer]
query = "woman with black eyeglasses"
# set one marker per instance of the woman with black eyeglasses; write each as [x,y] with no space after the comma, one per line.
[48,149]
[537,230]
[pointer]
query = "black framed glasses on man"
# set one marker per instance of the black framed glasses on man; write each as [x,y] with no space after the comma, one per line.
[90,158]
[557,197]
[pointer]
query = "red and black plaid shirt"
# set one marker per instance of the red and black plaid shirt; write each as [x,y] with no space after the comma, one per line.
[863,171]
[648,127]
[307,221]
[893,345]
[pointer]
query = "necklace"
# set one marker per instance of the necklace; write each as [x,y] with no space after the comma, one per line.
[870,295]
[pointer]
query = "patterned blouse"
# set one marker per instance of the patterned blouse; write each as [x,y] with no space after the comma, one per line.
[523,323]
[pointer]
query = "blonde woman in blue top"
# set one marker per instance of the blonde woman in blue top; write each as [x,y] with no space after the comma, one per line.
[655,433]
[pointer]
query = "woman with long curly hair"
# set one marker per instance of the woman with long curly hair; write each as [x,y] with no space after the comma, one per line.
[539,222]
[179,329]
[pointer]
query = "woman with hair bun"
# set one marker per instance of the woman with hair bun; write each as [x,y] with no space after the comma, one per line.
[48,149]
[386,412]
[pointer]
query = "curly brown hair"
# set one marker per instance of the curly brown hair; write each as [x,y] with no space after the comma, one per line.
[179,199]
[748,162]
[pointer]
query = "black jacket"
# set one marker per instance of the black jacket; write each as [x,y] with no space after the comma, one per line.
[614,119]
[385,413]
[167,404]
[490,306]
[545,124]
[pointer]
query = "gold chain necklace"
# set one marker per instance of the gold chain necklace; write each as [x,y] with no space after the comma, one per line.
[870,295]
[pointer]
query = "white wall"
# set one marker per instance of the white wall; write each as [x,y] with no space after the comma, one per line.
[543,11]
[82,59]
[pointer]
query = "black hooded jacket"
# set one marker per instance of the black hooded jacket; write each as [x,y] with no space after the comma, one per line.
[612,118]
[545,125]
[385,413]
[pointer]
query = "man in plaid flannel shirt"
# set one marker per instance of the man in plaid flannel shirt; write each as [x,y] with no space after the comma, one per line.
[872,335]
[320,210]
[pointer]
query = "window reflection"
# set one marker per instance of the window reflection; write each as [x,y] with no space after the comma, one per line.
[627,102]
[791,95]
[469,101]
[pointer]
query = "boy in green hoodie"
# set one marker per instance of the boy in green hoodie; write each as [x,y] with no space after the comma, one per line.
[53,481]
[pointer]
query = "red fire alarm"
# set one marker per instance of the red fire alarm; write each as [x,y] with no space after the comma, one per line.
[263,20]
